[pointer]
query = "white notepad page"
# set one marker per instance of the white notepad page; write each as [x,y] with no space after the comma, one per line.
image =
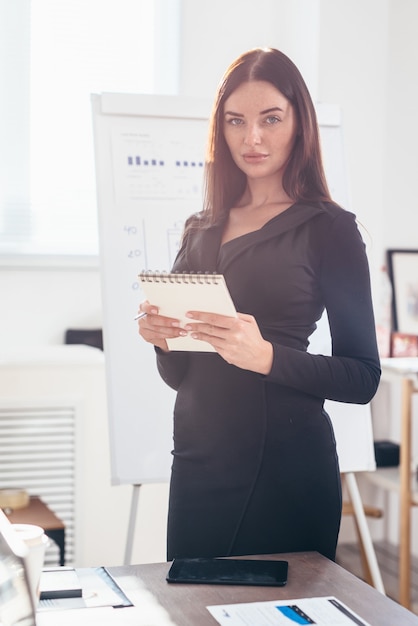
[175,294]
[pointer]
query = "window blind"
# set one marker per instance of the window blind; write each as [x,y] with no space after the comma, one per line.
[54,54]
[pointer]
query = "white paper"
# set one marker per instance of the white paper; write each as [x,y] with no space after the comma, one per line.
[322,611]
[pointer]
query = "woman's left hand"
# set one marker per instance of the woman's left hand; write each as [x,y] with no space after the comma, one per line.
[236,339]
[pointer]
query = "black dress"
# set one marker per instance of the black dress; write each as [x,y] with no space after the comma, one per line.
[255,468]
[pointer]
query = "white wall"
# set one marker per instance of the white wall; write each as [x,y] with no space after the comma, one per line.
[401,166]
[360,54]
[214,33]
[353,72]
[39,304]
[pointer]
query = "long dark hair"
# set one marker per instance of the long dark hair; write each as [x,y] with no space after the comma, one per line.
[304,177]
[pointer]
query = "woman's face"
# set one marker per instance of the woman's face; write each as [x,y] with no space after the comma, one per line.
[259,128]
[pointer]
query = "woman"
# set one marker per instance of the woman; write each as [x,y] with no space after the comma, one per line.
[255,468]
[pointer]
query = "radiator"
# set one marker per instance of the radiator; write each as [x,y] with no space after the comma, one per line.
[38,453]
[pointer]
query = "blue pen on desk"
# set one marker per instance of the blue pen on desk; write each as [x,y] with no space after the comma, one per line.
[140,316]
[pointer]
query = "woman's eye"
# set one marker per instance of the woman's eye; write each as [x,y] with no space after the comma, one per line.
[272,119]
[234,121]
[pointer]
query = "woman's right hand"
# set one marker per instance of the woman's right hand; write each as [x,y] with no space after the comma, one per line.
[155,328]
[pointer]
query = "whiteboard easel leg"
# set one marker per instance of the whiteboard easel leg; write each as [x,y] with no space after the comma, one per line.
[131,526]
[353,490]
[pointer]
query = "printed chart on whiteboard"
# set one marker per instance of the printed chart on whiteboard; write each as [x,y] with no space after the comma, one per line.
[150,165]
[154,168]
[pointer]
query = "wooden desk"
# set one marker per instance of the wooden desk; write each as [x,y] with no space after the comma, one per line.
[310,575]
[39,514]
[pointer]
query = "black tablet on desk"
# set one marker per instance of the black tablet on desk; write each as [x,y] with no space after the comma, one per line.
[228,571]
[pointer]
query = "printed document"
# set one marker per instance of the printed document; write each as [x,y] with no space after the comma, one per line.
[322,611]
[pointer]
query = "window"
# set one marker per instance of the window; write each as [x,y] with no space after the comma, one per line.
[53,55]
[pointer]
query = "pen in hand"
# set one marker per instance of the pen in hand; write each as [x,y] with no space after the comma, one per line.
[140,316]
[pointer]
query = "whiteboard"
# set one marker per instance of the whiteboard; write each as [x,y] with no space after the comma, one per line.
[354,435]
[352,423]
[149,155]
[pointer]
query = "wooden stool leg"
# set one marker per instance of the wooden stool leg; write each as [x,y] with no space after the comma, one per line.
[405,496]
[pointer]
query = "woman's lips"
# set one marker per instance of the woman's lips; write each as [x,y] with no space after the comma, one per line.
[254,157]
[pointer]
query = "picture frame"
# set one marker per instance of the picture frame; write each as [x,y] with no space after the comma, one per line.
[403,274]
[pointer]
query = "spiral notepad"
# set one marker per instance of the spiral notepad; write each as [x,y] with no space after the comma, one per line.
[175,294]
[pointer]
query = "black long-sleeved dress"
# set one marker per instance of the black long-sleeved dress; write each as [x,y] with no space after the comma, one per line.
[255,468]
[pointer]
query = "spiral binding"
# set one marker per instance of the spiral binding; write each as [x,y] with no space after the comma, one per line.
[147,276]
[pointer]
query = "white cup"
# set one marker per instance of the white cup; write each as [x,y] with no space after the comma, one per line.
[36,542]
